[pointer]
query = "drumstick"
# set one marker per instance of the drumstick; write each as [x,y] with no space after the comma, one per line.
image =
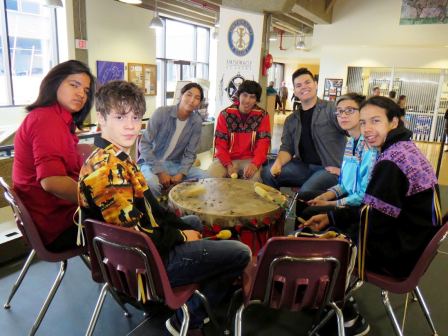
[263,193]
[223,234]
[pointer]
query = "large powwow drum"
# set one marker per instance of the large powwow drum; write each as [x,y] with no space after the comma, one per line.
[229,204]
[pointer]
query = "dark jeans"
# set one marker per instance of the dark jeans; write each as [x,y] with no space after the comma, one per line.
[214,264]
[295,173]
[278,103]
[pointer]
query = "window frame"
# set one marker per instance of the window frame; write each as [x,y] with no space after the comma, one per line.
[6,59]
[165,59]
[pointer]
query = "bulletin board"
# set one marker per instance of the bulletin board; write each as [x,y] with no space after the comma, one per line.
[144,76]
[332,88]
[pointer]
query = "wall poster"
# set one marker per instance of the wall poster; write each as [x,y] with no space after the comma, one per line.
[332,88]
[108,71]
[144,76]
[424,12]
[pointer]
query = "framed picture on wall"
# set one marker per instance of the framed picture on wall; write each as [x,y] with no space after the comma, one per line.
[144,76]
[108,71]
[332,88]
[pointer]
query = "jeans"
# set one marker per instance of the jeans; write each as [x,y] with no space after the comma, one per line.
[309,177]
[171,168]
[214,264]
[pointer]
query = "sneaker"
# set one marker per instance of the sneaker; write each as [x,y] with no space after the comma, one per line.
[350,312]
[360,327]
[354,327]
[173,326]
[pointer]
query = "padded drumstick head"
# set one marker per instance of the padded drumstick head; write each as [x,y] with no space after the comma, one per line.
[224,234]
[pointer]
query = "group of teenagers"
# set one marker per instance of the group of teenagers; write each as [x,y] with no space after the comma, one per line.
[354,162]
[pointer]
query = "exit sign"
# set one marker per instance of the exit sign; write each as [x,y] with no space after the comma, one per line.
[81,44]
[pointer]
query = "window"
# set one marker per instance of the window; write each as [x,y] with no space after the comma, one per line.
[31,41]
[182,54]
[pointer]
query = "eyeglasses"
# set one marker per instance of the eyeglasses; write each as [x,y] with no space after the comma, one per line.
[347,111]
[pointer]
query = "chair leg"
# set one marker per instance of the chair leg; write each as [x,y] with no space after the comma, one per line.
[339,317]
[18,282]
[239,320]
[50,297]
[185,321]
[97,310]
[390,312]
[291,206]
[232,303]
[210,314]
[120,303]
[425,309]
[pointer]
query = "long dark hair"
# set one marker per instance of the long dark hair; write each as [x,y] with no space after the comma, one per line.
[50,85]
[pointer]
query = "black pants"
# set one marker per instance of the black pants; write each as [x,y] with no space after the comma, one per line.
[304,211]
[278,103]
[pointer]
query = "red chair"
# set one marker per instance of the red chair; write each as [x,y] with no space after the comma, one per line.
[30,233]
[409,284]
[126,260]
[298,274]
[84,150]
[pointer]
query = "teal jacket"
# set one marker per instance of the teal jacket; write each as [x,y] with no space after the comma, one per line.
[355,173]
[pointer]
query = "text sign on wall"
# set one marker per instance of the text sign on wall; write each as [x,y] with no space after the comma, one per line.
[239,49]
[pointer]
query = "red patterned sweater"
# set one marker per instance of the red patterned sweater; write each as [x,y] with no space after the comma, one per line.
[236,139]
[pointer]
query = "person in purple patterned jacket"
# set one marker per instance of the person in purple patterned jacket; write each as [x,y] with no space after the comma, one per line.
[400,212]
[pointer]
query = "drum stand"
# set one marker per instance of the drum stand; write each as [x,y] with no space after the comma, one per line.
[442,145]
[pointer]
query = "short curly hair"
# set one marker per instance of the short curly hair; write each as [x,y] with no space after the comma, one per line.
[122,97]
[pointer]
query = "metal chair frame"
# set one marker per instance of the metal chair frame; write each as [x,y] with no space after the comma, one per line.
[295,261]
[30,233]
[410,284]
[152,294]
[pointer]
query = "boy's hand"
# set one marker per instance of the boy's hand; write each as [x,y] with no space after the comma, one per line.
[192,235]
[276,168]
[164,179]
[317,223]
[250,170]
[318,202]
[231,170]
[178,178]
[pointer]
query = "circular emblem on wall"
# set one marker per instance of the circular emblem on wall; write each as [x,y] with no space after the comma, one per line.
[233,85]
[240,37]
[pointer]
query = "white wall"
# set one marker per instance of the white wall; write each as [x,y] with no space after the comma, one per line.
[368,34]
[119,32]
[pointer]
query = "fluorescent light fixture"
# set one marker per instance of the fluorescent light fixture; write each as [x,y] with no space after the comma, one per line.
[132,2]
[272,36]
[52,3]
[300,43]
[156,22]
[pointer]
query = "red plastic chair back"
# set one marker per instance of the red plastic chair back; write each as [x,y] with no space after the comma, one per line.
[119,255]
[84,150]
[299,273]
[29,230]
[405,285]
